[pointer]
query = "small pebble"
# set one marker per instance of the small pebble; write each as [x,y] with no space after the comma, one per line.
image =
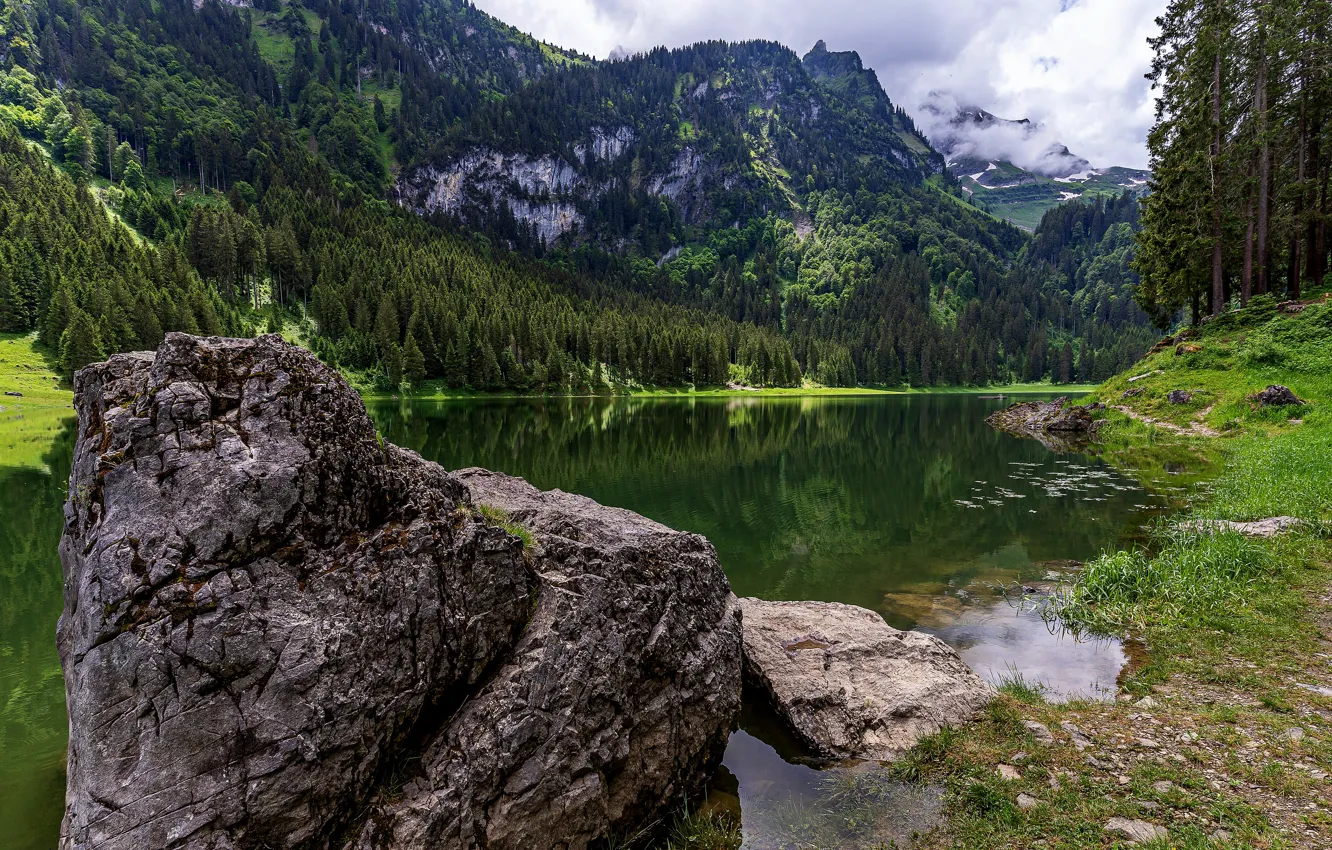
[1026,801]
[1008,773]
[1163,787]
[1146,703]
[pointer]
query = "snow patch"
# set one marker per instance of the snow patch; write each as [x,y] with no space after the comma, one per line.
[1079,177]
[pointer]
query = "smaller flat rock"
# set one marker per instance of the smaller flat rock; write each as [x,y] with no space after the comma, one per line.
[1135,830]
[1270,527]
[1039,731]
[1163,786]
[1008,773]
[1026,801]
[851,686]
[1146,703]
[1080,739]
[1179,397]
[1293,735]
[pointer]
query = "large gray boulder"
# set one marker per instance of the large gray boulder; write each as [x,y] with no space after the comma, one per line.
[280,632]
[851,686]
[619,693]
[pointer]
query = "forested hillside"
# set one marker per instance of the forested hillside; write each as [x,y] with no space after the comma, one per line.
[1241,155]
[737,213]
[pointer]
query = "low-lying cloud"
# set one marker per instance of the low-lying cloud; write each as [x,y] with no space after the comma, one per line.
[1073,66]
[972,138]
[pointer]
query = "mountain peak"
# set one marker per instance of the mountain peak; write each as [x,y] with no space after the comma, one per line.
[823,63]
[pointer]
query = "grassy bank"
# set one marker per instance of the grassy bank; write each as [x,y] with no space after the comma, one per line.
[1222,731]
[29,422]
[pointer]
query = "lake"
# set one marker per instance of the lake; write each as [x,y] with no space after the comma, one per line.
[907,504]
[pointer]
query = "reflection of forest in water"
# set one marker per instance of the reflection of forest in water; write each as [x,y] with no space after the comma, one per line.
[33,723]
[840,499]
[904,504]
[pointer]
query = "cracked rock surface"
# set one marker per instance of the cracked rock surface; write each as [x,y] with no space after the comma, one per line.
[280,632]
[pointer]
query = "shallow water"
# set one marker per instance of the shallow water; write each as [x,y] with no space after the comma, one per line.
[908,505]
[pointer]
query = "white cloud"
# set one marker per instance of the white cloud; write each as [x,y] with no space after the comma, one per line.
[1076,66]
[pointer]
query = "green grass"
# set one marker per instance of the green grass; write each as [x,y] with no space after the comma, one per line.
[500,518]
[1225,627]
[1277,462]
[29,425]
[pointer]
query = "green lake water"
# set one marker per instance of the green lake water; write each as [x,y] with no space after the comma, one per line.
[908,505]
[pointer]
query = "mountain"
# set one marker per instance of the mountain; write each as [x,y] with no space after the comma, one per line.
[428,193]
[719,132]
[1012,169]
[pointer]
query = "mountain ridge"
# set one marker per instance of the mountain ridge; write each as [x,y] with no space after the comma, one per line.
[725,212]
[1007,167]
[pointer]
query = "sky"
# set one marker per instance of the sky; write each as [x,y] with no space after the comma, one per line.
[1074,66]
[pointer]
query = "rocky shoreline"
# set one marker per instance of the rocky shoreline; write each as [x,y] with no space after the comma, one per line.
[1059,425]
[281,632]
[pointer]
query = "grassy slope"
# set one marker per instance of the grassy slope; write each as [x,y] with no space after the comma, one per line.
[29,424]
[1226,629]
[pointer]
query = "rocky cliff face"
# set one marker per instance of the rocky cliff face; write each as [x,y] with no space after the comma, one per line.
[549,194]
[280,633]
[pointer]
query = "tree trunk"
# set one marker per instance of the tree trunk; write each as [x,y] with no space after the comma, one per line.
[1264,165]
[1320,240]
[1312,261]
[1297,224]
[1246,281]
[1218,276]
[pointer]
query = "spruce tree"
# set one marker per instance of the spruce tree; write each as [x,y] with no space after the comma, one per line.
[79,344]
[413,362]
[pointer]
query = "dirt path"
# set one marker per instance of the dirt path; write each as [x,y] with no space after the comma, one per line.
[1197,429]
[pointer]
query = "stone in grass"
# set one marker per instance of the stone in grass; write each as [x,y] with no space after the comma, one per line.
[1080,739]
[1135,830]
[1277,396]
[1039,731]
[1163,786]
[1146,703]
[1008,773]
[1179,397]
[1026,801]
[1294,735]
